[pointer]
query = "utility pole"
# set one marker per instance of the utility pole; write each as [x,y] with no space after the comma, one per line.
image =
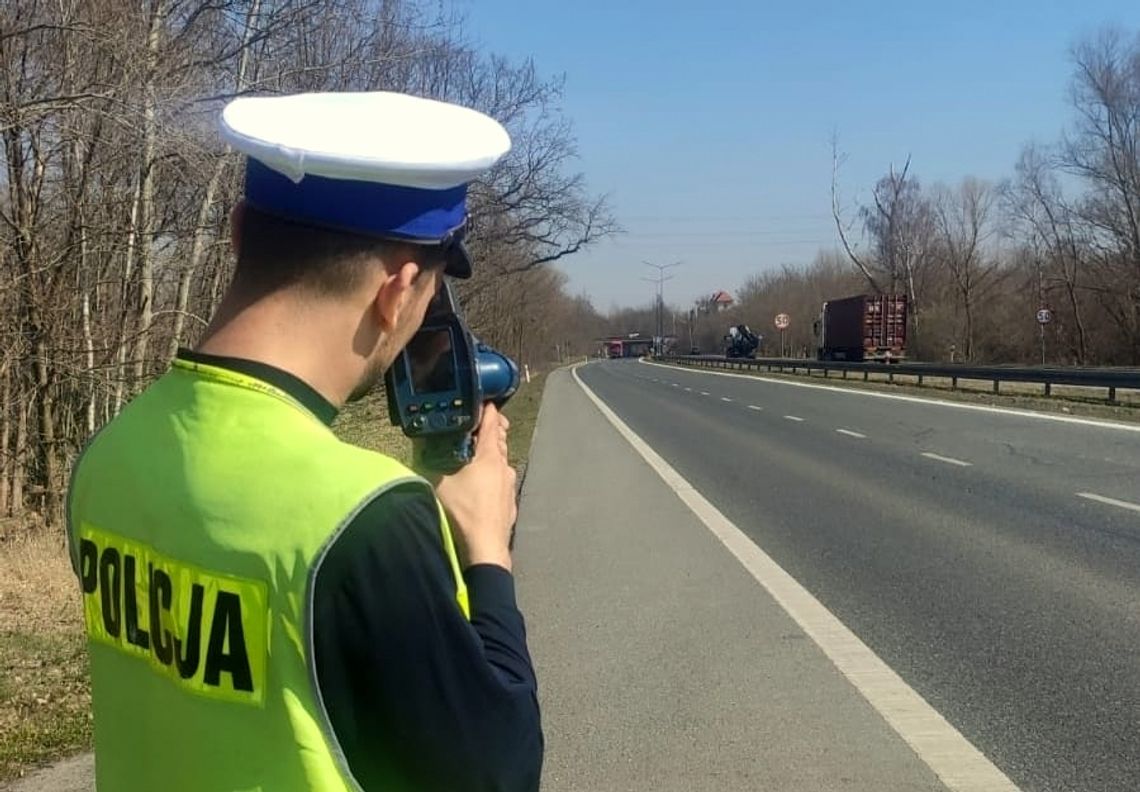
[660,281]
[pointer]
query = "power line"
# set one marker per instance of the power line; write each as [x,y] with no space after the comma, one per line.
[723,218]
[734,233]
[618,242]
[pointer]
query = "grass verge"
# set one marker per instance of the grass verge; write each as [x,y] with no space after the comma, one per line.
[522,412]
[1017,395]
[366,423]
[45,698]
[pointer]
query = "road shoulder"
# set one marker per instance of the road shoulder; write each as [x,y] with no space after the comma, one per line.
[662,664]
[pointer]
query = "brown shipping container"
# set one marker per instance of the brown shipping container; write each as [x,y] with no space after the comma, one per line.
[864,327]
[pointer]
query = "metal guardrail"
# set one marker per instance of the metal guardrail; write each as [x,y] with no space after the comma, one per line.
[1110,378]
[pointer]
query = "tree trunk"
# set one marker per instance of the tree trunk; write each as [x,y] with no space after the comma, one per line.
[120,368]
[969,312]
[1078,320]
[46,418]
[20,456]
[146,196]
[216,285]
[5,440]
[197,254]
[89,360]
[912,308]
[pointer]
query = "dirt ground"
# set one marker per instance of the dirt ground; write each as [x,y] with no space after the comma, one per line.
[45,701]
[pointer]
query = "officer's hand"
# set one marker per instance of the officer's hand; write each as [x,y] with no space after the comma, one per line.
[480,498]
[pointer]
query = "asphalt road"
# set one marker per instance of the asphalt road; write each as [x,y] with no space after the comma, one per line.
[992,560]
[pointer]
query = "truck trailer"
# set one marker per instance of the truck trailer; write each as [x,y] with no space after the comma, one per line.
[864,327]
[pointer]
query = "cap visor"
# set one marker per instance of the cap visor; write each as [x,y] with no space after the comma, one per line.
[458,262]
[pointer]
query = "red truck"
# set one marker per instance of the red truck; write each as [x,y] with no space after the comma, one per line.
[864,327]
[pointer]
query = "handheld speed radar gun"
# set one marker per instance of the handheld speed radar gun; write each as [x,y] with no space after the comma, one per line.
[439,383]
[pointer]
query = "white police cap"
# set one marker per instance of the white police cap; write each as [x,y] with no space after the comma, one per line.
[380,164]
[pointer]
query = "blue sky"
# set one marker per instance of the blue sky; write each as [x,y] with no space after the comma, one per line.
[709,123]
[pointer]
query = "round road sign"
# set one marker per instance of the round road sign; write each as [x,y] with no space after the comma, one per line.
[1044,316]
[782,321]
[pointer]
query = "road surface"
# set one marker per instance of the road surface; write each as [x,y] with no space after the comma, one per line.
[991,559]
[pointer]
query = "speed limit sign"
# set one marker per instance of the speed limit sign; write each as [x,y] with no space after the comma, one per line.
[1044,316]
[782,321]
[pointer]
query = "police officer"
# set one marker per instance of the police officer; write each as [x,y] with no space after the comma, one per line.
[270,608]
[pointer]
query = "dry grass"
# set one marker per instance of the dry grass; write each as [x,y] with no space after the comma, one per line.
[1069,400]
[366,424]
[1097,396]
[522,411]
[45,698]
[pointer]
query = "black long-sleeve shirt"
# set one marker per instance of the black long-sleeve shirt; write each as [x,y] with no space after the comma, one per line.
[419,698]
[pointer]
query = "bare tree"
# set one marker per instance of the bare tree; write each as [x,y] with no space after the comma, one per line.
[898,224]
[114,188]
[1103,149]
[1038,212]
[963,222]
[842,226]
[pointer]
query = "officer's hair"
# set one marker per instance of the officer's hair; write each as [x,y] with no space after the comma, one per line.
[275,254]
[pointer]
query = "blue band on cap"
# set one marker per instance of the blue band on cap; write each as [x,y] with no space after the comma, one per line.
[360,207]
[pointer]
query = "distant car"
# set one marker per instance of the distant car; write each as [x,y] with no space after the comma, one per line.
[694,351]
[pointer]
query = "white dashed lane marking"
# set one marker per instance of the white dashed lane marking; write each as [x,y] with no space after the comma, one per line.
[1110,501]
[946,459]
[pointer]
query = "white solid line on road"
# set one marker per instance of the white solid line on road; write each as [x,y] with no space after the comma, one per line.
[793,418]
[704,393]
[1110,501]
[960,766]
[946,459]
[916,399]
[725,398]
[754,407]
[849,433]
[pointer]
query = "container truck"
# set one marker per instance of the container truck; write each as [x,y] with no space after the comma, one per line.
[864,327]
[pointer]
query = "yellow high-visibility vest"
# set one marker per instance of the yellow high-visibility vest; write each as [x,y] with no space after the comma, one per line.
[198,520]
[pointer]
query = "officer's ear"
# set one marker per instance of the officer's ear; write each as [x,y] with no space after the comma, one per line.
[394,295]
